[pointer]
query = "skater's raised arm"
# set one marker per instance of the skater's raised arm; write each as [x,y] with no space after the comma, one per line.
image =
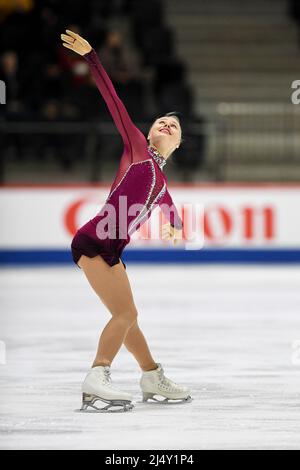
[131,135]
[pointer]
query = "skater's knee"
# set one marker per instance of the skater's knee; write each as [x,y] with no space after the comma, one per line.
[128,316]
[131,316]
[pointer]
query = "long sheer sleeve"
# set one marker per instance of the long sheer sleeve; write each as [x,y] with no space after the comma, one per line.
[134,140]
[168,208]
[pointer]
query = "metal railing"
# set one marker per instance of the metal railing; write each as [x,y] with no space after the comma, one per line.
[238,141]
[91,137]
[263,138]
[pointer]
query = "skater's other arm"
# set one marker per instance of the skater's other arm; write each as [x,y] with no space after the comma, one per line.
[174,228]
[131,135]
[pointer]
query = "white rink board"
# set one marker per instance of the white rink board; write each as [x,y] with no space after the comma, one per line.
[242,217]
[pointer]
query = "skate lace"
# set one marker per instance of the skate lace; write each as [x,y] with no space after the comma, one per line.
[107,376]
[166,383]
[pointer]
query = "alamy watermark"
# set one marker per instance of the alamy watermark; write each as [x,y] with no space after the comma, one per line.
[115,223]
[2,353]
[2,92]
[295,97]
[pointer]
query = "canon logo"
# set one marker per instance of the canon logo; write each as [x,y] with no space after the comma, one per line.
[246,223]
[217,224]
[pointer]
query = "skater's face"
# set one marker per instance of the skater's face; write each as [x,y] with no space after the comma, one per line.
[165,134]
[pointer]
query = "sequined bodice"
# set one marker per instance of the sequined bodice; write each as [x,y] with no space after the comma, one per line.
[161,161]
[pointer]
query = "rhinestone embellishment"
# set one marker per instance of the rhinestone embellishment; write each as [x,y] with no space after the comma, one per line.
[157,157]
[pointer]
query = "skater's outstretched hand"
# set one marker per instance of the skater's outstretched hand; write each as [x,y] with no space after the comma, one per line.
[171,233]
[75,42]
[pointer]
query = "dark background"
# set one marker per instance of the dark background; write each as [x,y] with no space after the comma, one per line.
[225,66]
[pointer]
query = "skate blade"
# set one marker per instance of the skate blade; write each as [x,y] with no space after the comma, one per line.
[171,401]
[113,406]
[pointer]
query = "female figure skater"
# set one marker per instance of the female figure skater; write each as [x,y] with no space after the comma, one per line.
[140,179]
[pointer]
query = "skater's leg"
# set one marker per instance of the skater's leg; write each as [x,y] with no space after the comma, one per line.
[136,343]
[112,286]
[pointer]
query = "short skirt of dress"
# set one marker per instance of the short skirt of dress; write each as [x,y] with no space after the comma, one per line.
[83,244]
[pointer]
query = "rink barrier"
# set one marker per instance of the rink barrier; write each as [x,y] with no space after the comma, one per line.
[156,256]
[247,223]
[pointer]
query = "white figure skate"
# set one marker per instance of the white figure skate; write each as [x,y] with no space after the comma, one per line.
[97,388]
[154,382]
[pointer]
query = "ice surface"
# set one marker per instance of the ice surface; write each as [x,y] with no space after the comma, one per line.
[226,332]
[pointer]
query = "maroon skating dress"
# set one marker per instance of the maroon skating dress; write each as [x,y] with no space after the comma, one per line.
[140,178]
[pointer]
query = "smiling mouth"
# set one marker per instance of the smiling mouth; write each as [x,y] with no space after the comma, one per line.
[165,130]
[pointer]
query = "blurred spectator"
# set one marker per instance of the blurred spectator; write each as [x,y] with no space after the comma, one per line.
[10,74]
[64,148]
[15,108]
[120,62]
[123,67]
[48,83]
[52,81]
[89,102]
[51,144]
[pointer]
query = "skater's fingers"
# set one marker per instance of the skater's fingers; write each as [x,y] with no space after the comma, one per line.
[74,35]
[68,46]
[67,39]
[165,235]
